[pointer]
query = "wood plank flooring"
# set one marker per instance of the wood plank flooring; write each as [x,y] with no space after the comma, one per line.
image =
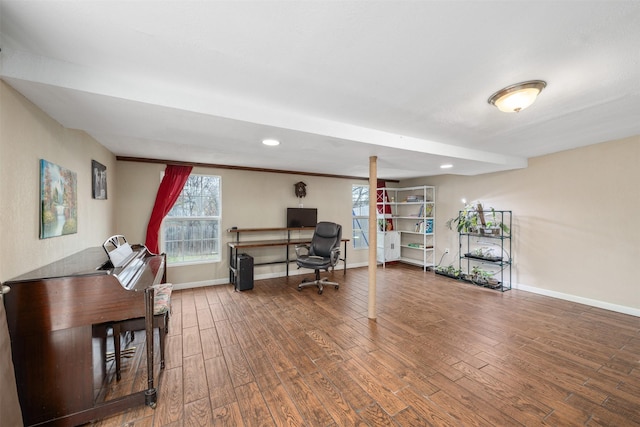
[440,353]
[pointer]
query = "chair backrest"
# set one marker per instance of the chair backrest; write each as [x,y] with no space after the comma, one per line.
[326,237]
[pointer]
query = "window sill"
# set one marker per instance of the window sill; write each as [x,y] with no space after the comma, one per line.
[189,263]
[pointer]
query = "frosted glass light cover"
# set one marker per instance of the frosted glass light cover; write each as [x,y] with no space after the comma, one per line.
[518,100]
[517,97]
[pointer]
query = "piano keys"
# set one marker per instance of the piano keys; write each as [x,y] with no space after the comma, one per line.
[58,316]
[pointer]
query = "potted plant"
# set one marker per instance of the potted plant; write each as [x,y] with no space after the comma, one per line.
[449,271]
[494,226]
[472,220]
[482,277]
[467,221]
[484,253]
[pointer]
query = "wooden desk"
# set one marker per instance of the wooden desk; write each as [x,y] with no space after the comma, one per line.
[286,243]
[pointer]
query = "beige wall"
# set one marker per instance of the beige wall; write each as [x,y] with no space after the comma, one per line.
[249,200]
[575,221]
[574,212]
[27,135]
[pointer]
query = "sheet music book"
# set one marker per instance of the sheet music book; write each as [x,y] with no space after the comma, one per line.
[120,255]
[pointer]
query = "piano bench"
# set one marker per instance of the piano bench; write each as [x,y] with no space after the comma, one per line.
[161,313]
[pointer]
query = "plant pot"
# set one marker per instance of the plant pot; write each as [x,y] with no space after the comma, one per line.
[492,283]
[490,231]
[452,276]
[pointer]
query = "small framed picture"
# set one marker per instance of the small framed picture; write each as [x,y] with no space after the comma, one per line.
[99,180]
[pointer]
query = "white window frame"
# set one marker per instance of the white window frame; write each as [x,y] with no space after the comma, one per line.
[217,257]
[359,235]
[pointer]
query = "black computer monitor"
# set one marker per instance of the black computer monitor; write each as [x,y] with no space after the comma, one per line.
[302,217]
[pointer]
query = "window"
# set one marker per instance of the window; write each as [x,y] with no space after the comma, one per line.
[191,230]
[360,212]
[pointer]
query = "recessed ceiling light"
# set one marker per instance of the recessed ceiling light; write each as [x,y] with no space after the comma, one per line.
[446,166]
[271,142]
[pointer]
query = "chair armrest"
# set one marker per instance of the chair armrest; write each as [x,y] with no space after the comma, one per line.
[302,249]
[335,255]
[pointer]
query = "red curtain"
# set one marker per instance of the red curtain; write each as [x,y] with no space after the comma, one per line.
[174,179]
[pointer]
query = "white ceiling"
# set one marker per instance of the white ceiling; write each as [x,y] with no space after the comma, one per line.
[335,81]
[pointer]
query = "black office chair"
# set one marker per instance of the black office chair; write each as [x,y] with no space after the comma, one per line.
[323,253]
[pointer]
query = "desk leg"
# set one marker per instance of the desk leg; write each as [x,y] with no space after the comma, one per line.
[230,265]
[286,248]
[345,258]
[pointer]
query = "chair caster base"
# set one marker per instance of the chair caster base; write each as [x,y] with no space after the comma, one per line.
[320,283]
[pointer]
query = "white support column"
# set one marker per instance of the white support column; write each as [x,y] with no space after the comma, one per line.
[373,233]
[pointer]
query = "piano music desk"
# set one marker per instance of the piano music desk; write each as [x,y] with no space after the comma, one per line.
[235,247]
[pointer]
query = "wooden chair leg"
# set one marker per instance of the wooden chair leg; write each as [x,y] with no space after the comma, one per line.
[116,349]
[161,334]
[160,321]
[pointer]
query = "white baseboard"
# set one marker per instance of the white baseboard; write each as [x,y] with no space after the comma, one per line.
[225,281]
[202,284]
[567,297]
[574,298]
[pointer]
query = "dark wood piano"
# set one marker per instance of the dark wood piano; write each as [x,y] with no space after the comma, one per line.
[58,316]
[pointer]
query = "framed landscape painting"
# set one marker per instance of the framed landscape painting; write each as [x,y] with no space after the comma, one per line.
[99,180]
[58,200]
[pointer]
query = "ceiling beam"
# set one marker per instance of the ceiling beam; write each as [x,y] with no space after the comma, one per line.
[242,168]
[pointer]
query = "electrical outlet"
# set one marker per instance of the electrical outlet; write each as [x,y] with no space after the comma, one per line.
[446,251]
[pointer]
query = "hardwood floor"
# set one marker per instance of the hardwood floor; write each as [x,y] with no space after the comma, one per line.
[440,353]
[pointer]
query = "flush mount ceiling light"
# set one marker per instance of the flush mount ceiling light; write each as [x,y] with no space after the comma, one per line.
[271,142]
[446,166]
[517,97]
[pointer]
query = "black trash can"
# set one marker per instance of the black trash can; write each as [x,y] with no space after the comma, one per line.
[244,276]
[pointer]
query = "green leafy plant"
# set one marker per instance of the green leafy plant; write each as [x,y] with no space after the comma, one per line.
[479,273]
[494,223]
[449,270]
[482,252]
[467,221]
[472,220]
[482,277]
